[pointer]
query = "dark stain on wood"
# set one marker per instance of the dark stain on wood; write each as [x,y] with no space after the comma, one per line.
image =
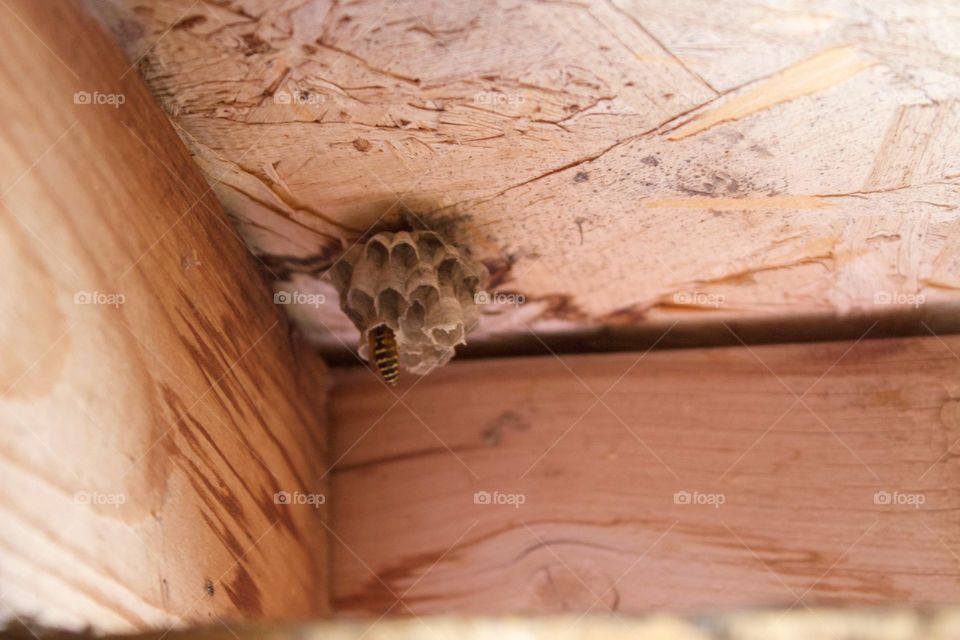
[507,421]
[243,592]
[499,268]
[282,268]
[400,457]
[255,45]
[560,306]
[189,22]
[626,316]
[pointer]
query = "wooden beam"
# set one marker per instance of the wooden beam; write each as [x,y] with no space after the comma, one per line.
[797,624]
[689,480]
[151,400]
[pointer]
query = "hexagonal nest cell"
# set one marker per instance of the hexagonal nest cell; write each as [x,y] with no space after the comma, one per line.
[418,286]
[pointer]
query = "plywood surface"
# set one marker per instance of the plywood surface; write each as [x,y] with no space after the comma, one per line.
[690,480]
[618,163]
[151,400]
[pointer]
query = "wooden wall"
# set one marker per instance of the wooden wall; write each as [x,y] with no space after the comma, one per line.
[152,399]
[689,480]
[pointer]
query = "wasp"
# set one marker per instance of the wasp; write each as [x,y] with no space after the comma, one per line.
[383,352]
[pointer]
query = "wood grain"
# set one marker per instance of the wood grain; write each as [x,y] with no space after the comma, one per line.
[818,474]
[151,398]
[813,624]
[619,163]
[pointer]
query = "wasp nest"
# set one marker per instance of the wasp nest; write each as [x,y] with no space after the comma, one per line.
[416,285]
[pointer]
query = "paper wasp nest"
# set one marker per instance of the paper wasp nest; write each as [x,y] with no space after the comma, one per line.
[419,287]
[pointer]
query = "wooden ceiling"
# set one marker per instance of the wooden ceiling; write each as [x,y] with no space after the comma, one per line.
[618,163]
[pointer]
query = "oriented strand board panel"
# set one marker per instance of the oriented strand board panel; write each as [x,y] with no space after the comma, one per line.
[690,480]
[151,401]
[618,163]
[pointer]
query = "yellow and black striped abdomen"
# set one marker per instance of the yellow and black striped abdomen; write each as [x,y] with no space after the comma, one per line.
[384,354]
